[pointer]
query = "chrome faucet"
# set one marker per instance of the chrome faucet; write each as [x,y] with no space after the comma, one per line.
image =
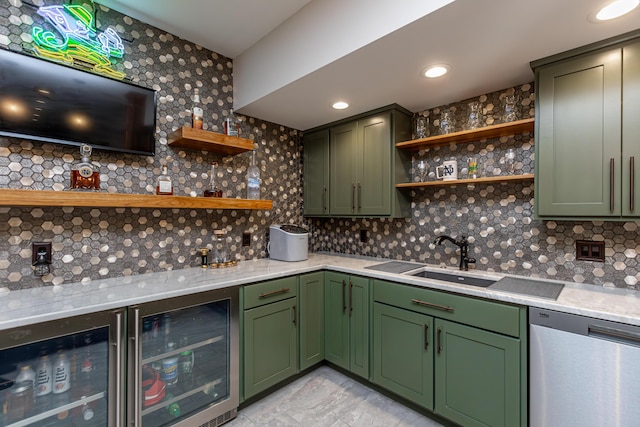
[463,244]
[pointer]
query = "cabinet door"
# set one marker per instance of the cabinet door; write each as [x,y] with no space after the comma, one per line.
[270,345]
[403,353]
[342,195]
[336,319]
[631,129]
[316,173]
[477,376]
[578,137]
[373,182]
[359,326]
[311,313]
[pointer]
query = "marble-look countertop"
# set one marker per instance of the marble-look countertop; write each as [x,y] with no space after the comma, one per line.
[30,306]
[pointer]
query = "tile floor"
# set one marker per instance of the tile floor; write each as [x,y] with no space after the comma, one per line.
[327,398]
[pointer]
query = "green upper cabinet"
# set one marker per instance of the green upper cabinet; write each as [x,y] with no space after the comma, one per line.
[347,322]
[586,134]
[316,173]
[364,166]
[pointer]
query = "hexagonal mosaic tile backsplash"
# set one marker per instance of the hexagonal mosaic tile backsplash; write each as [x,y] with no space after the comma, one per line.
[115,242]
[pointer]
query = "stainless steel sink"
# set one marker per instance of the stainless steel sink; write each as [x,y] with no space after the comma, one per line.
[452,278]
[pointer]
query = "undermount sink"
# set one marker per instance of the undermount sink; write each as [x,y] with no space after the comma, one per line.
[452,278]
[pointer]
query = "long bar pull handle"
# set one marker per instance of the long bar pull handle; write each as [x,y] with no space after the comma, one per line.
[632,180]
[439,346]
[324,198]
[353,197]
[344,302]
[426,337]
[278,292]
[350,297]
[611,183]
[119,372]
[137,378]
[295,316]
[359,197]
[432,305]
[624,337]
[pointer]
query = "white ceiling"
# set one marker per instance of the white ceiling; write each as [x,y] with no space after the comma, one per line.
[293,58]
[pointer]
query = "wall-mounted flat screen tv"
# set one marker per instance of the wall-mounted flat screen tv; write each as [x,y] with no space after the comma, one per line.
[46,101]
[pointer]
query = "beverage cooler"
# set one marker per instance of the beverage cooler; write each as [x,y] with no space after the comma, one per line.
[64,373]
[184,360]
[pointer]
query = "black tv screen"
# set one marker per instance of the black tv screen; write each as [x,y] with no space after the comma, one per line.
[50,102]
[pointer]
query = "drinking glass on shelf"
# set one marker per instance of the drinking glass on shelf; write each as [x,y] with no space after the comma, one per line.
[421,127]
[474,118]
[421,170]
[510,108]
[510,161]
[446,122]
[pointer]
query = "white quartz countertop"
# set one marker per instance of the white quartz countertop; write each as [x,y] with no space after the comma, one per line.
[25,307]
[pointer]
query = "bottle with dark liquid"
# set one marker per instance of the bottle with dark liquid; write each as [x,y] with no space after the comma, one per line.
[213,190]
[83,174]
[164,186]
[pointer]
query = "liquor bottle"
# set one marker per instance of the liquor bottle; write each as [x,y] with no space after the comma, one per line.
[164,186]
[213,190]
[83,174]
[253,179]
[197,113]
[231,126]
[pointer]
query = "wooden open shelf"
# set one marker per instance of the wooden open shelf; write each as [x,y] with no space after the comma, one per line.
[199,139]
[493,131]
[483,180]
[41,198]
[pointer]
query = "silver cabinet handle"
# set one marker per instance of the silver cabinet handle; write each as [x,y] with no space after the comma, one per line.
[632,179]
[611,183]
[359,197]
[426,337]
[350,297]
[118,372]
[274,293]
[137,384]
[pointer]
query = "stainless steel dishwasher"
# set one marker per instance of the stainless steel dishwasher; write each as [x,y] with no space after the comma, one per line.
[583,371]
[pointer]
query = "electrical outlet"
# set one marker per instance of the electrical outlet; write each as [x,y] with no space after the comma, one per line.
[364,236]
[589,250]
[246,238]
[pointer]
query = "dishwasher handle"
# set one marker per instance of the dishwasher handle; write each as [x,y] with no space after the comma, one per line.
[613,334]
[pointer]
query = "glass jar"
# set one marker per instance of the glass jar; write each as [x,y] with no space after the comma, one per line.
[220,249]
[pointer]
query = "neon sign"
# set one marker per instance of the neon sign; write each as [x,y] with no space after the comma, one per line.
[78,42]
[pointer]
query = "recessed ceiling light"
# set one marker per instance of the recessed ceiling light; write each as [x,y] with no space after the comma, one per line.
[616,9]
[340,105]
[436,71]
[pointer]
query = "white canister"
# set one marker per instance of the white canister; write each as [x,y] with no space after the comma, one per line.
[448,171]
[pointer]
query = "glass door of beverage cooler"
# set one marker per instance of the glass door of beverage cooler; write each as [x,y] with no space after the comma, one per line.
[65,372]
[184,353]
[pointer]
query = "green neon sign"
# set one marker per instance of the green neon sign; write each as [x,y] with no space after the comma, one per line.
[77,42]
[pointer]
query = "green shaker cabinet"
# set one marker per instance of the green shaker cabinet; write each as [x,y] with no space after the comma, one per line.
[363,166]
[270,334]
[316,173]
[403,353]
[347,322]
[311,302]
[587,135]
[477,376]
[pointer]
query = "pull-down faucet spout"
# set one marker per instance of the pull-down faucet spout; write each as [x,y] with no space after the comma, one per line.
[463,244]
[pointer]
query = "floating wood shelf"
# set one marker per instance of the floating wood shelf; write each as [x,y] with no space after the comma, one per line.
[41,198]
[483,180]
[199,139]
[494,131]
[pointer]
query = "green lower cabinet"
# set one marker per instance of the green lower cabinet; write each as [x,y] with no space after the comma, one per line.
[311,303]
[347,322]
[477,376]
[270,345]
[403,353]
